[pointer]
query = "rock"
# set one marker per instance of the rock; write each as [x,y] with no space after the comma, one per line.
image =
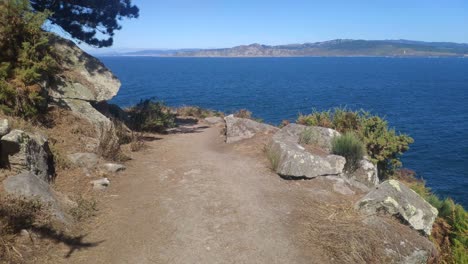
[105,129]
[396,199]
[83,76]
[292,160]
[4,127]
[321,136]
[366,173]
[213,120]
[112,167]
[242,128]
[30,186]
[100,184]
[23,151]
[84,160]
[84,81]
[418,257]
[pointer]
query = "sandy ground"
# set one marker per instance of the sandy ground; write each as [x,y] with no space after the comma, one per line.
[191,198]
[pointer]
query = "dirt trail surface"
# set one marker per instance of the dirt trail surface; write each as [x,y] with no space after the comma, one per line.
[190,198]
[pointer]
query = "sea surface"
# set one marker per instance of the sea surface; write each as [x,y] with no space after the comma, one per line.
[426,98]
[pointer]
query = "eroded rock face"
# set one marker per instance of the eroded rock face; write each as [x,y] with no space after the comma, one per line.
[396,199]
[23,151]
[30,186]
[242,128]
[83,76]
[294,161]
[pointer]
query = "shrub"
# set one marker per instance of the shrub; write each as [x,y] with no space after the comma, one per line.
[383,145]
[151,116]
[243,113]
[196,111]
[284,123]
[25,59]
[350,147]
[308,136]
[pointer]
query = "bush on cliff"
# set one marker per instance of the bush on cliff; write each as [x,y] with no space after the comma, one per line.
[150,116]
[25,59]
[383,145]
[350,147]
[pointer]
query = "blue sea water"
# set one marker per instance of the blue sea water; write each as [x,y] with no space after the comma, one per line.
[426,98]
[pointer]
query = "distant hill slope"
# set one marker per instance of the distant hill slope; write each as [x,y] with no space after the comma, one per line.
[339,47]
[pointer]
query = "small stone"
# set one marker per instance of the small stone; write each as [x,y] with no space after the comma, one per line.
[113,167]
[100,184]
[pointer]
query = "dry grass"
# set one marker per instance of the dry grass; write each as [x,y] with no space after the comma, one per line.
[273,156]
[85,209]
[16,214]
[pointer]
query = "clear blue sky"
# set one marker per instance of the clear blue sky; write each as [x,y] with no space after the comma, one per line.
[217,23]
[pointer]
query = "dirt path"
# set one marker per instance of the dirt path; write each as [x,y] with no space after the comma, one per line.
[190,198]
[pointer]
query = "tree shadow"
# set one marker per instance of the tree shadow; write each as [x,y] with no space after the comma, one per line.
[74,243]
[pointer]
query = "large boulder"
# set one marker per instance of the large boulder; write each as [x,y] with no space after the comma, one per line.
[396,199]
[21,151]
[82,82]
[293,160]
[82,76]
[105,128]
[29,185]
[242,128]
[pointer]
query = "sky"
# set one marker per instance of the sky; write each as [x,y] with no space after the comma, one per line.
[174,24]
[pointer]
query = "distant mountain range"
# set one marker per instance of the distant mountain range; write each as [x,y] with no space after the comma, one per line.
[332,48]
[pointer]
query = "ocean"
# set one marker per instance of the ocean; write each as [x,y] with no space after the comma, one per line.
[426,98]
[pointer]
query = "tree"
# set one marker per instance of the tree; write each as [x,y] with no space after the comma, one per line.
[86,20]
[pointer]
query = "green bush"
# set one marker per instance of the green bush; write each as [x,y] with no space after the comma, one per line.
[151,116]
[383,145]
[350,147]
[25,59]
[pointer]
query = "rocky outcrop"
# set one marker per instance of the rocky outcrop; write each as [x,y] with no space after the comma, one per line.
[293,160]
[82,76]
[242,128]
[396,199]
[29,185]
[83,81]
[21,151]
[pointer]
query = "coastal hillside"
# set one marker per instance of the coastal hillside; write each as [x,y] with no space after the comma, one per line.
[332,48]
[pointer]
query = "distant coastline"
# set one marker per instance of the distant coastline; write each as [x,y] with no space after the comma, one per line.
[332,48]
